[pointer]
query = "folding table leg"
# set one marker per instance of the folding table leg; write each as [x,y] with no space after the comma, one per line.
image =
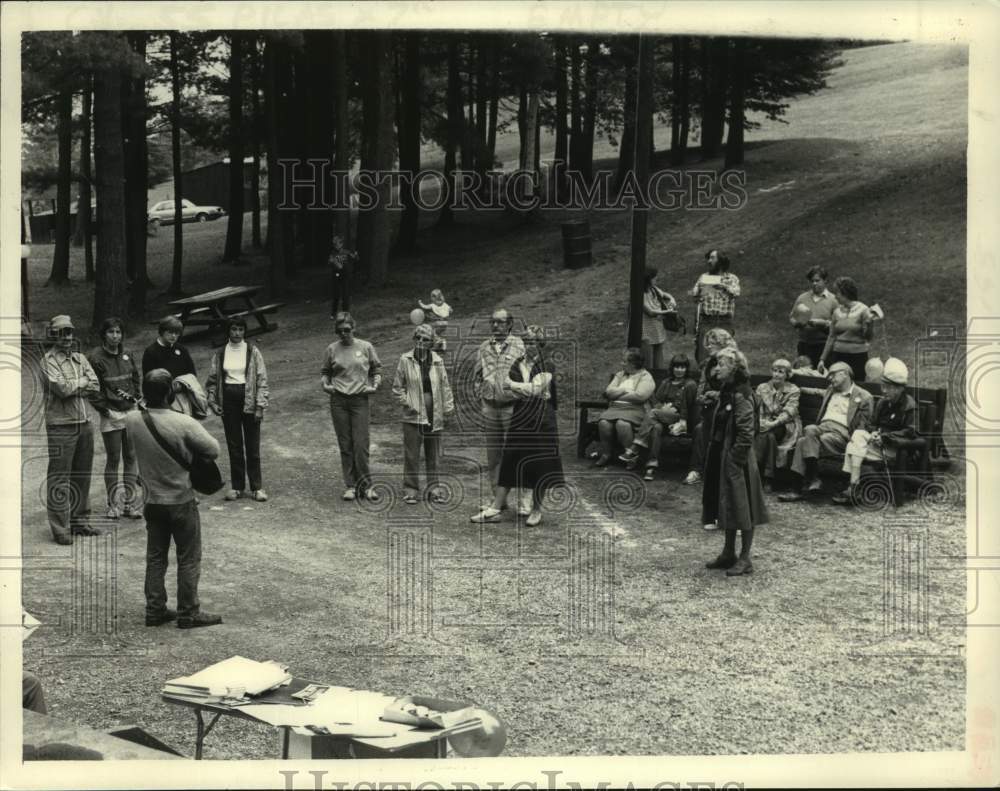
[203,731]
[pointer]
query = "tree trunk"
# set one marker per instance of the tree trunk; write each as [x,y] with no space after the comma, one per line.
[626,149]
[409,142]
[685,98]
[530,141]
[714,103]
[561,155]
[136,181]
[482,101]
[111,289]
[234,228]
[680,103]
[454,103]
[491,137]
[522,128]
[84,210]
[175,148]
[275,223]
[64,132]
[341,157]
[373,244]
[320,46]
[575,109]
[643,131]
[589,112]
[734,142]
[468,127]
[255,80]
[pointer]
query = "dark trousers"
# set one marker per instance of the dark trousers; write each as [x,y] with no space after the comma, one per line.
[351,415]
[856,361]
[182,524]
[118,450]
[812,350]
[699,447]
[242,439]
[765,446]
[340,293]
[67,487]
[416,436]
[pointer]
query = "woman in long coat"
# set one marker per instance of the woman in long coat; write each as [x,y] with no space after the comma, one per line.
[732,494]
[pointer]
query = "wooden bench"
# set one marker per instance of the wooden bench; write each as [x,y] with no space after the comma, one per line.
[212,311]
[272,308]
[927,450]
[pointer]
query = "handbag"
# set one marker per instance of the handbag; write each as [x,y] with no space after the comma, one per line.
[205,475]
[672,321]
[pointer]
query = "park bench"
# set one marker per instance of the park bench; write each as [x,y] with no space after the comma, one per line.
[919,455]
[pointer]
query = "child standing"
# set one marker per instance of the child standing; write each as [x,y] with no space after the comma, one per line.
[439,311]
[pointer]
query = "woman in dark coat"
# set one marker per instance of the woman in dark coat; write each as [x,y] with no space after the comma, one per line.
[530,458]
[733,494]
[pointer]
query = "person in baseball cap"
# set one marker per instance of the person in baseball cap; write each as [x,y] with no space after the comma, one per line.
[845,409]
[893,421]
[70,381]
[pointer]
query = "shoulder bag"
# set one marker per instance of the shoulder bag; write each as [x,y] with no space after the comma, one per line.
[205,475]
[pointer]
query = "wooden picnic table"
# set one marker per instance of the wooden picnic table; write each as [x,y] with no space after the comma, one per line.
[212,310]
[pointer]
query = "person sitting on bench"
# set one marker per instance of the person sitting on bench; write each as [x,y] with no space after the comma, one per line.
[674,406]
[845,408]
[894,420]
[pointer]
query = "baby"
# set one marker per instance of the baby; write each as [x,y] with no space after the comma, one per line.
[439,311]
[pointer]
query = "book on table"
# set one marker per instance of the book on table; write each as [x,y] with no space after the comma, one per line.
[231,678]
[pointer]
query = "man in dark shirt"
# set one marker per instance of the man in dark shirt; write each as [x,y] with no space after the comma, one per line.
[166,352]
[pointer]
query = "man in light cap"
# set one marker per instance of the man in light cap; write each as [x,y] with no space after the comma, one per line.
[845,408]
[894,420]
[69,382]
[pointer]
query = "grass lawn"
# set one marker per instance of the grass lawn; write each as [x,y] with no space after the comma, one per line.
[599,632]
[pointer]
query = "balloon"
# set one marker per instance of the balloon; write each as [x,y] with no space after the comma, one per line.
[802,314]
[417,316]
[873,369]
[486,741]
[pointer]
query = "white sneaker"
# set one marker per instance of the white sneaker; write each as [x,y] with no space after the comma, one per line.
[234,494]
[693,477]
[349,494]
[711,526]
[486,515]
[372,495]
[534,518]
[259,495]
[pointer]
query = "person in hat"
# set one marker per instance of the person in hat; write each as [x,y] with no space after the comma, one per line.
[812,315]
[845,408]
[894,420]
[779,425]
[421,387]
[166,352]
[70,381]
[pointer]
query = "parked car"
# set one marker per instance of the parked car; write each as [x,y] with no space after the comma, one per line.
[162,213]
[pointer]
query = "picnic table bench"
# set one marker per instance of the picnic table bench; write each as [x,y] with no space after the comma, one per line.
[924,453]
[212,310]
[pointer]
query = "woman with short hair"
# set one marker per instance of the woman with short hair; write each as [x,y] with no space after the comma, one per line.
[851,330]
[779,425]
[237,390]
[120,392]
[706,395]
[421,387]
[628,395]
[812,314]
[732,498]
[351,372]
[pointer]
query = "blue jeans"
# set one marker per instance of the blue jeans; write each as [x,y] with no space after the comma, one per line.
[181,523]
[350,415]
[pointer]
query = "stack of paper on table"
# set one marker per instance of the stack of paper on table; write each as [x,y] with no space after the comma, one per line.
[231,677]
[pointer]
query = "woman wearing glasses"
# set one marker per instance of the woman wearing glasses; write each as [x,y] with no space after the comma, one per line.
[351,373]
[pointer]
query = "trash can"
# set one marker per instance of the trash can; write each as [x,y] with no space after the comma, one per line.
[576,244]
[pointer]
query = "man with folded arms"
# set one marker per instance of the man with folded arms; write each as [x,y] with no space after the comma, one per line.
[70,382]
[845,408]
[171,509]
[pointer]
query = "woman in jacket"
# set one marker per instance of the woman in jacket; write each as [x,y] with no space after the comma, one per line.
[237,390]
[351,372]
[732,494]
[421,387]
[120,392]
[779,423]
[530,459]
[705,397]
